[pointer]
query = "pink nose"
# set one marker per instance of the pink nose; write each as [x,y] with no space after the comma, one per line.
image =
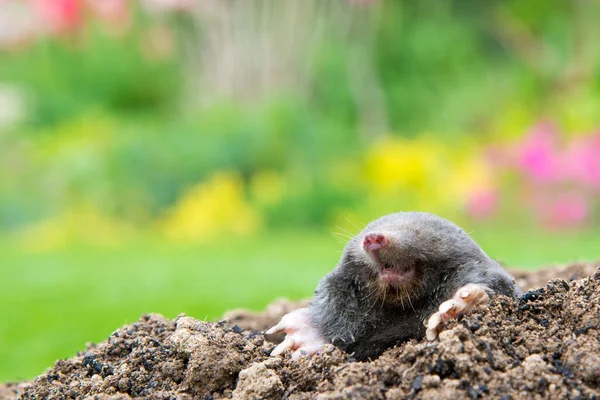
[374,241]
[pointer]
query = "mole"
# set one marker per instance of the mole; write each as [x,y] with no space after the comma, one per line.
[398,279]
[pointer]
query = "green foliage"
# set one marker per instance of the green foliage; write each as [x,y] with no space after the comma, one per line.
[93,72]
[113,127]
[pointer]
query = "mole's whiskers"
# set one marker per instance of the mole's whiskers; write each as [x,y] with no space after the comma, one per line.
[356,226]
[409,293]
[342,235]
[383,300]
[345,231]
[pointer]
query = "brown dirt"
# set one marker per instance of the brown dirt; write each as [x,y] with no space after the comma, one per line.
[546,345]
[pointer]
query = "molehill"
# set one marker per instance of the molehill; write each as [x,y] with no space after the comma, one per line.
[545,345]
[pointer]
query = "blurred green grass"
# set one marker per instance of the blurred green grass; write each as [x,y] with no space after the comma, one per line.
[54,302]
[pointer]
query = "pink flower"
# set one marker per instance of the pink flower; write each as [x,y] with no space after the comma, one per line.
[539,157]
[565,210]
[110,10]
[581,161]
[483,204]
[559,177]
[59,16]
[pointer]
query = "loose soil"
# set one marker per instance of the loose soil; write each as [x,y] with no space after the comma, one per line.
[544,345]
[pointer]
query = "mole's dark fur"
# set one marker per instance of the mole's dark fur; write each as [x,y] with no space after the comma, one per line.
[355,312]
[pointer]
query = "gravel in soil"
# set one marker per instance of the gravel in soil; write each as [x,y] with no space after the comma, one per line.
[544,345]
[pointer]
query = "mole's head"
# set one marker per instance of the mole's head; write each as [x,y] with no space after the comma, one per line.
[382,255]
[407,253]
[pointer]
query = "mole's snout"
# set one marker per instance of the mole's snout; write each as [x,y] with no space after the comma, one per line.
[374,241]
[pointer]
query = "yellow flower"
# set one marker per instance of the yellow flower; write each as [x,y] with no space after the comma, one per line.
[468,174]
[424,174]
[210,210]
[394,164]
[267,187]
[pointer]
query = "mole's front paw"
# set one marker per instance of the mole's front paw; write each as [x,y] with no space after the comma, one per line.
[302,336]
[463,301]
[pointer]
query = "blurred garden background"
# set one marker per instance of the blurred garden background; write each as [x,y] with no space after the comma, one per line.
[200,155]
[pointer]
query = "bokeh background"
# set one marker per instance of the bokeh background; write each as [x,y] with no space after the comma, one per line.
[196,156]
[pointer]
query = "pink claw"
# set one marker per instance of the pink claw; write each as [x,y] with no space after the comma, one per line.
[302,336]
[464,300]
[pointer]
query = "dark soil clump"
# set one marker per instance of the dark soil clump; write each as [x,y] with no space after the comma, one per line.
[545,345]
